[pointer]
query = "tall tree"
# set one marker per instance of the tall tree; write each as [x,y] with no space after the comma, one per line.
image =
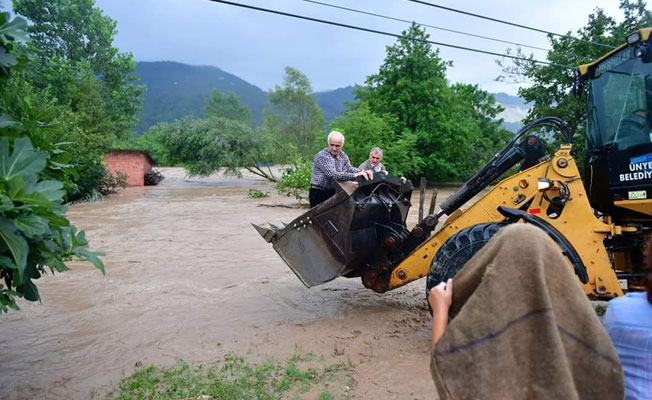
[551,86]
[448,122]
[66,33]
[294,118]
[226,105]
[364,130]
[77,69]
[206,146]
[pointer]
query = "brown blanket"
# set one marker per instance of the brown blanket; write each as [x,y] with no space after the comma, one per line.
[523,328]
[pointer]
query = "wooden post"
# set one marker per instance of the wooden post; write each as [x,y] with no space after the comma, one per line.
[433,201]
[422,197]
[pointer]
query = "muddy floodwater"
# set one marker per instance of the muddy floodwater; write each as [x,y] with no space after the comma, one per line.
[187,277]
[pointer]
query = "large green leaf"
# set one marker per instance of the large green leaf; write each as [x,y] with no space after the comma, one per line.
[91,256]
[28,290]
[31,225]
[5,203]
[7,59]
[25,192]
[55,263]
[23,162]
[7,120]
[56,220]
[51,190]
[15,29]
[6,262]
[16,243]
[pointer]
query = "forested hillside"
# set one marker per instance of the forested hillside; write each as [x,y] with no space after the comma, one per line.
[333,103]
[176,90]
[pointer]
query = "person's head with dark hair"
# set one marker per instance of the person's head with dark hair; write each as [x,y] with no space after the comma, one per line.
[534,151]
[642,113]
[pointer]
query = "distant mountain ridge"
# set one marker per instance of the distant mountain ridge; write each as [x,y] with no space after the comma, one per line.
[333,102]
[176,90]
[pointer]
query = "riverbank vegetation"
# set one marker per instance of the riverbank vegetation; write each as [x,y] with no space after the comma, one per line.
[234,377]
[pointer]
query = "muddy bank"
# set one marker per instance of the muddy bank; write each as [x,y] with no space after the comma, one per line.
[187,277]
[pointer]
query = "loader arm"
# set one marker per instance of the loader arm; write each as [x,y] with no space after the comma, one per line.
[574,221]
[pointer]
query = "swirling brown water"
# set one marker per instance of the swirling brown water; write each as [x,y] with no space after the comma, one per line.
[187,277]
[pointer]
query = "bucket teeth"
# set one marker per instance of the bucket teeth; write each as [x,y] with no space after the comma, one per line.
[272,226]
[284,224]
[266,233]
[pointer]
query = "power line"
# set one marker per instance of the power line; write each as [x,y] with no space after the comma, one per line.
[509,23]
[422,24]
[322,21]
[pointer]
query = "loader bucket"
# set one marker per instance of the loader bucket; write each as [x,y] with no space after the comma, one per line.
[349,234]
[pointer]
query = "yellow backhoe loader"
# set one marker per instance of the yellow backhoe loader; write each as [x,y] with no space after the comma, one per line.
[601,224]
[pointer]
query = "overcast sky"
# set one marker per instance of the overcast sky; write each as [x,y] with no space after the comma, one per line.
[256,46]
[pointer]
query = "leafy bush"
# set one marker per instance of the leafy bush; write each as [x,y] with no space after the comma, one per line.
[206,146]
[35,235]
[112,184]
[152,143]
[89,181]
[34,230]
[257,194]
[295,180]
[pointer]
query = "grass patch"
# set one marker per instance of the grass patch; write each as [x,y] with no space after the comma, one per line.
[301,376]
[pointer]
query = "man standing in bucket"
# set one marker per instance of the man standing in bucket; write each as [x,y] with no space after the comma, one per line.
[373,163]
[331,165]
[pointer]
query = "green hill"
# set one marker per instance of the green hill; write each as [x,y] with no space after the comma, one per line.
[175,90]
[333,102]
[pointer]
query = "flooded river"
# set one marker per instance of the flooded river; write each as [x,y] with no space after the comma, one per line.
[187,277]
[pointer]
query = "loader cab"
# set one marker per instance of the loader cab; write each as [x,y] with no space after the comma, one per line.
[619,122]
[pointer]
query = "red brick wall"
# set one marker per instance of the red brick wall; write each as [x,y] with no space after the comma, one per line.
[133,163]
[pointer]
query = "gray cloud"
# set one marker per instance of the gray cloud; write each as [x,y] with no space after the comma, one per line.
[257,46]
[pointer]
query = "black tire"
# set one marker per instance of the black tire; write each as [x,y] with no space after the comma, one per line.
[457,250]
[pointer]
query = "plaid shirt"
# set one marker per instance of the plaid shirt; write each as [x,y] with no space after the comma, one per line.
[326,169]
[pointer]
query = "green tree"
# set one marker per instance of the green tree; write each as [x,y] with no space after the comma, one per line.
[364,130]
[226,105]
[35,235]
[448,122]
[551,86]
[206,146]
[65,33]
[294,119]
[151,141]
[477,114]
[87,79]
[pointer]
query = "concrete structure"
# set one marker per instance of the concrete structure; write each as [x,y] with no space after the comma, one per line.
[134,163]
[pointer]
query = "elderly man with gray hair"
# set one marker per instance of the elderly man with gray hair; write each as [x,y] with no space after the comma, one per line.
[373,163]
[331,165]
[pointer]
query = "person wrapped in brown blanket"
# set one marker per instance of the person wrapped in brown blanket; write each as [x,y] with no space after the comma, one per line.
[523,328]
